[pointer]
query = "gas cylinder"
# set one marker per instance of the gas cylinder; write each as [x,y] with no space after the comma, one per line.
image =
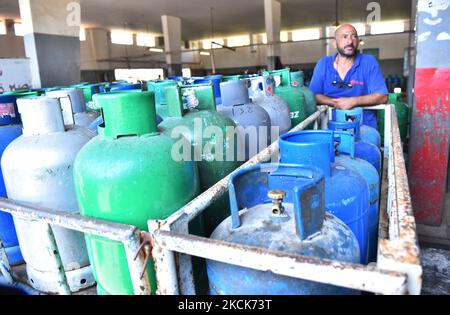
[282,208]
[125,87]
[37,168]
[89,90]
[159,88]
[262,93]
[403,116]
[346,193]
[127,175]
[10,129]
[193,108]
[367,133]
[363,150]
[21,94]
[292,95]
[345,156]
[298,81]
[227,78]
[76,98]
[253,119]
[216,79]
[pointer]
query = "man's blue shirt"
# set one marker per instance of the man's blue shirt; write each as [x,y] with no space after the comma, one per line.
[364,76]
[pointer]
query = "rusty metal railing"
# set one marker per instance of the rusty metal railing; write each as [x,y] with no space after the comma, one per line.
[397,270]
[129,236]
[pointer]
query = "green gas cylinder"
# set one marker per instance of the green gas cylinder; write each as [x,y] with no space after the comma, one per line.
[159,88]
[236,77]
[298,81]
[127,175]
[403,115]
[192,115]
[292,95]
[192,112]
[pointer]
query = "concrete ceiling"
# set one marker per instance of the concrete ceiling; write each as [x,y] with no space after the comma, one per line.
[231,17]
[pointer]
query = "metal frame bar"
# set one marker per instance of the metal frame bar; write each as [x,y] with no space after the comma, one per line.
[128,235]
[397,271]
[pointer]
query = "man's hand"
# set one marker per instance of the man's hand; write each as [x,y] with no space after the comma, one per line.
[345,103]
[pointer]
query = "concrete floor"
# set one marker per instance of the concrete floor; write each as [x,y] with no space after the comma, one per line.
[436,271]
[435,255]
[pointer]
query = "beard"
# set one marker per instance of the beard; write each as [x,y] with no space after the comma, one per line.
[342,51]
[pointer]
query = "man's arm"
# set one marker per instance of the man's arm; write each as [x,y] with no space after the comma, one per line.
[347,103]
[325,100]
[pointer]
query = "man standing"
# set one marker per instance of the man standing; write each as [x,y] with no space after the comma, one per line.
[348,79]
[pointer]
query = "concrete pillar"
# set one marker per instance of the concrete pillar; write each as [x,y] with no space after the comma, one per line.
[98,47]
[52,29]
[172,43]
[272,13]
[328,32]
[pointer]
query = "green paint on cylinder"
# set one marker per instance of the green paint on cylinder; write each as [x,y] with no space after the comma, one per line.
[212,147]
[159,88]
[294,96]
[127,175]
[403,115]
[232,77]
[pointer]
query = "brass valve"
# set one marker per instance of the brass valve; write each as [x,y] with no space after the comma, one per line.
[277,197]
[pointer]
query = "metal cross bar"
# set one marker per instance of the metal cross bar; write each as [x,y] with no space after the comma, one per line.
[369,278]
[354,276]
[128,235]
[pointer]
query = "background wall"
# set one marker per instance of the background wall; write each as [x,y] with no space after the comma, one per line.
[99,57]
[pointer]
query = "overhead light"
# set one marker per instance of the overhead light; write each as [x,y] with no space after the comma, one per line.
[205,53]
[160,50]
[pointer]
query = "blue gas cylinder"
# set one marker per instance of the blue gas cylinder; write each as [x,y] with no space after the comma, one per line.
[216,79]
[367,133]
[363,150]
[10,129]
[345,156]
[125,87]
[347,192]
[282,208]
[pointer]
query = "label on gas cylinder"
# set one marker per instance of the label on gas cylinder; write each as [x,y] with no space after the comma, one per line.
[7,109]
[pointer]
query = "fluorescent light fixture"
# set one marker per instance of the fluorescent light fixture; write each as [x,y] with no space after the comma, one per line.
[145,40]
[82,34]
[205,53]
[208,43]
[236,41]
[122,37]
[387,27]
[160,50]
[2,28]
[284,36]
[306,34]
[19,29]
